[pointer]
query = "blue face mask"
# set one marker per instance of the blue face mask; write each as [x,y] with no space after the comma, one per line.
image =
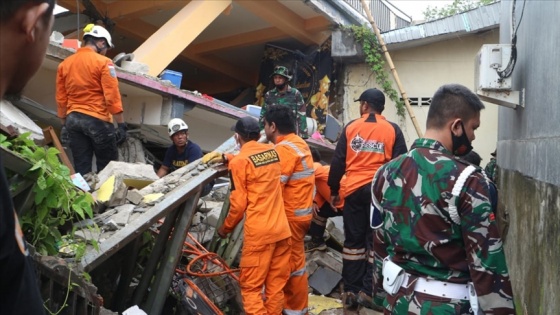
[461,144]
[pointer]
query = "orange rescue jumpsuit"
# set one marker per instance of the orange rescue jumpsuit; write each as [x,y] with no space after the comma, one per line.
[299,185]
[256,193]
[322,200]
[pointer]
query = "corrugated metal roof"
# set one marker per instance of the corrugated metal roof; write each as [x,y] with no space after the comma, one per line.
[479,19]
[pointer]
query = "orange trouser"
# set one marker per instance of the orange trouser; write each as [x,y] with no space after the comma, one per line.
[295,290]
[266,265]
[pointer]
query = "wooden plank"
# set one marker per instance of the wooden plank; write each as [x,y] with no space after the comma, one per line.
[14,162]
[50,137]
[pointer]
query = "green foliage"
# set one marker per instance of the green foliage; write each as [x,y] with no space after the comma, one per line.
[57,201]
[458,6]
[374,59]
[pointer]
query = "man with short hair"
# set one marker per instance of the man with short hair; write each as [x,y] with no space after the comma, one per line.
[364,145]
[256,195]
[88,97]
[436,225]
[182,151]
[298,185]
[25,27]
[284,94]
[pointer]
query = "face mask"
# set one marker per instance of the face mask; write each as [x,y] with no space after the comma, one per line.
[462,144]
[280,86]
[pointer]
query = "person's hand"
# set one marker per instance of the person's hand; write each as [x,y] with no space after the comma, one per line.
[316,209]
[212,158]
[221,232]
[335,200]
[121,134]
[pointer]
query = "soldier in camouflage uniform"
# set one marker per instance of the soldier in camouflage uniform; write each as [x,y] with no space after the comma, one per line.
[284,94]
[442,240]
[492,168]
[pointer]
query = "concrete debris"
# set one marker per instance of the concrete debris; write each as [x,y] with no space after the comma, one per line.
[134,196]
[135,67]
[207,206]
[330,259]
[123,214]
[152,199]
[335,229]
[88,234]
[132,151]
[14,122]
[136,175]
[324,280]
[113,191]
[212,216]
[111,225]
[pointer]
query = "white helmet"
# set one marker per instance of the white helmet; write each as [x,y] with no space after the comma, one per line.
[175,125]
[98,32]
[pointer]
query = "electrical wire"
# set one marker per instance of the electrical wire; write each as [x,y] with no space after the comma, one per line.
[508,71]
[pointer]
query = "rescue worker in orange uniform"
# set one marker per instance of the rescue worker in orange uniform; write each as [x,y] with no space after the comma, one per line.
[322,208]
[256,194]
[88,97]
[298,187]
[364,145]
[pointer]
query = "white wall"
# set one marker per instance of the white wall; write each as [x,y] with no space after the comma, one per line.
[421,71]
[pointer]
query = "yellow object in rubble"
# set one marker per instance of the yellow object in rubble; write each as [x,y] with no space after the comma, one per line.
[319,303]
[106,190]
[152,197]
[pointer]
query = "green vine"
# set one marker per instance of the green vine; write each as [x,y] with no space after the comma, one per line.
[57,201]
[374,58]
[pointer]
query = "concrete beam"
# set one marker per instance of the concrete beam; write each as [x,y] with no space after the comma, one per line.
[122,9]
[282,18]
[140,30]
[237,41]
[174,36]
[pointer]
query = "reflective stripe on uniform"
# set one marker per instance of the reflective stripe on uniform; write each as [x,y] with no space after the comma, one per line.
[284,178]
[298,273]
[298,151]
[295,312]
[370,257]
[302,174]
[302,212]
[354,253]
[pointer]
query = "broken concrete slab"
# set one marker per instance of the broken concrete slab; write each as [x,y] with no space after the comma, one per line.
[112,192]
[14,122]
[324,280]
[123,214]
[134,196]
[111,225]
[330,259]
[152,199]
[136,175]
[88,234]
[335,229]
[213,216]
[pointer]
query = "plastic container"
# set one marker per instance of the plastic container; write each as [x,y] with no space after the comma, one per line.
[173,76]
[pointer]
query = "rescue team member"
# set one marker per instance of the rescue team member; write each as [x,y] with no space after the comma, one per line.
[182,151]
[439,224]
[88,97]
[256,194]
[25,27]
[365,144]
[298,186]
[284,94]
[322,208]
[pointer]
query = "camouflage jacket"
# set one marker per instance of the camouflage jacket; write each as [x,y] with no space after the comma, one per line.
[291,98]
[419,235]
[491,169]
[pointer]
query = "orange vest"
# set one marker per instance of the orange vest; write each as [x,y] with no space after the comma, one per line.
[366,144]
[297,176]
[256,193]
[86,82]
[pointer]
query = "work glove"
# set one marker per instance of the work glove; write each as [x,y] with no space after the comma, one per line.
[213,158]
[120,133]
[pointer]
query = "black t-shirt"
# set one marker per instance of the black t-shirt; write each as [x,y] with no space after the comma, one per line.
[175,160]
[19,291]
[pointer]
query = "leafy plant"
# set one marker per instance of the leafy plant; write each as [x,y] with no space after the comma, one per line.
[458,6]
[374,58]
[57,201]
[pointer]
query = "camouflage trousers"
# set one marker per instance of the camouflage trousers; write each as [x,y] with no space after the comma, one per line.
[410,302]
